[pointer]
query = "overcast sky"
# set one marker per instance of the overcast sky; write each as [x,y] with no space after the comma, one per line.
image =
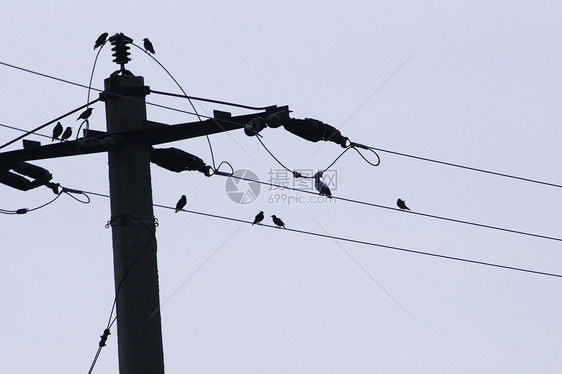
[481,87]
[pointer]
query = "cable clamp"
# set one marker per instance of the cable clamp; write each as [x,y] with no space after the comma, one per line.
[137,219]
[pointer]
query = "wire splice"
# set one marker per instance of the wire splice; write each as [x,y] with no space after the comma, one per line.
[104,337]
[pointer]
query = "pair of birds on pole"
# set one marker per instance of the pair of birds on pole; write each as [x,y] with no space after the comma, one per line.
[102,39]
[59,134]
[260,216]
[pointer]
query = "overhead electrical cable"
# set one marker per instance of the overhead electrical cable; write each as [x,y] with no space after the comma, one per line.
[396,209]
[356,241]
[403,154]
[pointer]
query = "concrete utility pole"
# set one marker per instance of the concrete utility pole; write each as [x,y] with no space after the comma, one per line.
[128,141]
[133,228]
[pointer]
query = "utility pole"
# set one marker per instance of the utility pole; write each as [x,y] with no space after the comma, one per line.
[128,141]
[133,229]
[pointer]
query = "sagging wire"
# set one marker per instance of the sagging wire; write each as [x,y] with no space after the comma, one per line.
[354,146]
[58,190]
[185,94]
[103,43]
[112,319]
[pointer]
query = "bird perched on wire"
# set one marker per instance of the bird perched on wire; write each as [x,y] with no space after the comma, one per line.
[402,204]
[85,114]
[320,186]
[181,203]
[148,46]
[100,40]
[66,134]
[278,221]
[259,218]
[57,131]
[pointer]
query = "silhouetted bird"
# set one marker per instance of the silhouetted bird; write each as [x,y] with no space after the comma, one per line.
[85,114]
[148,46]
[66,134]
[402,204]
[100,40]
[278,221]
[320,186]
[259,218]
[57,131]
[181,203]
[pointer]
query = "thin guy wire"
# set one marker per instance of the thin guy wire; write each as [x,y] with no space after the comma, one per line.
[366,101]
[364,270]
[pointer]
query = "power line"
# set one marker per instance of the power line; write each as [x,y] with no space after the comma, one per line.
[356,241]
[395,209]
[469,168]
[188,99]
[48,123]
[227,103]
[427,159]
[22,130]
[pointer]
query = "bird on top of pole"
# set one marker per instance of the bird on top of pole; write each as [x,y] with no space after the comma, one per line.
[100,40]
[148,46]
[66,134]
[57,131]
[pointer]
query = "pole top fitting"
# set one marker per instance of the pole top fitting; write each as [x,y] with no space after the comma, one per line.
[121,52]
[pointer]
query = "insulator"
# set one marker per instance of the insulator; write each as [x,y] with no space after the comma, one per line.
[253,127]
[17,180]
[120,48]
[277,119]
[174,159]
[315,130]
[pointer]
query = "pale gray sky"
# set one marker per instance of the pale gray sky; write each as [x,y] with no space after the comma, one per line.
[482,89]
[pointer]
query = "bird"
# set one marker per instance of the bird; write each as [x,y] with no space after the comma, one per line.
[278,221]
[66,134]
[148,46]
[320,186]
[402,204]
[259,218]
[85,114]
[100,40]
[181,203]
[57,131]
